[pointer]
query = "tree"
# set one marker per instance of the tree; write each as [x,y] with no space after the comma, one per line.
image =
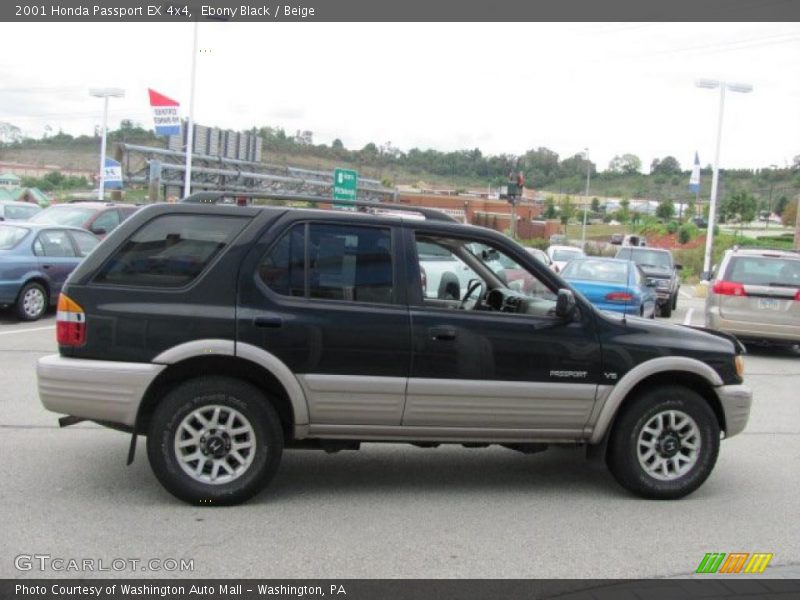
[550,211]
[665,210]
[781,205]
[627,164]
[740,203]
[595,205]
[789,216]
[540,166]
[10,133]
[566,210]
[668,166]
[337,144]
[576,166]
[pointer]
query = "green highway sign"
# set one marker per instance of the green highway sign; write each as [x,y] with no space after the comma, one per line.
[345,183]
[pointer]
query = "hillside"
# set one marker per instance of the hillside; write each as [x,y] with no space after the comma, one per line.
[465,169]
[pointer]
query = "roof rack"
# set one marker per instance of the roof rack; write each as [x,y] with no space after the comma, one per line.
[219,196]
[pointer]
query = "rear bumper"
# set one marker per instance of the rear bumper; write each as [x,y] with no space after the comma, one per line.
[736,401]
[97,390]
[753,330]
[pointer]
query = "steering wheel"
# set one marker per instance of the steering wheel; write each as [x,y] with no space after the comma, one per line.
[474,286]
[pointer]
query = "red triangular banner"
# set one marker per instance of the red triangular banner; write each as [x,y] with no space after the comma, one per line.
[157,99]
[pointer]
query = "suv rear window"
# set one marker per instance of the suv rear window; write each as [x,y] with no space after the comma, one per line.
[170,251]
[764,270]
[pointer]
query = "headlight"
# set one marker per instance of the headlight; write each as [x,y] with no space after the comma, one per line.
[662,284]
[739,363]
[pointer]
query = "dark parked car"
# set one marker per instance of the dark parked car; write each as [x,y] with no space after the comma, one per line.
[233,333]
[101,218]
[35,260]
[11,210]
[659,267]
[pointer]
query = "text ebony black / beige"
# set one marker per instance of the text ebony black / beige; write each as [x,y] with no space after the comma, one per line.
[227,334]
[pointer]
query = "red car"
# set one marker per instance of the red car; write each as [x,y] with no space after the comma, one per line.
[101,218]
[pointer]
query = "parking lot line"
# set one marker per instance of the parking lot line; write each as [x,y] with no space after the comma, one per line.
[687,320]
[27,330]
[683,293]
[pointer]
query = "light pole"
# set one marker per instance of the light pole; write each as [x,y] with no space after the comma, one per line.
[105,94]
[586,200]
[712,204]
[187,177]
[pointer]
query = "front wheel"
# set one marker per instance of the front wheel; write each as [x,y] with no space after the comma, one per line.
[665,443]
[215,441]
[666,309]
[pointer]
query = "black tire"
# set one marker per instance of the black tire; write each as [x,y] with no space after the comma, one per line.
[32,302]
[675,301]
[666,309]
[253,409]
[623,453]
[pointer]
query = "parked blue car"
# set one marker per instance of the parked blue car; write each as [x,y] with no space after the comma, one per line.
[611,284]
[35,260]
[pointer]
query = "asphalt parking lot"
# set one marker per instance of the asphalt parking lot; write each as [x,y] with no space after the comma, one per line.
[393,510]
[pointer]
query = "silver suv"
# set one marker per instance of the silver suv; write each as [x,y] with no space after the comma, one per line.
[755,295]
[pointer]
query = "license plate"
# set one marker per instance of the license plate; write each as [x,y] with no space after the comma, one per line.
[769,303]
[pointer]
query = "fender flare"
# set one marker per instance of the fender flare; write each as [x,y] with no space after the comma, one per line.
[638,374]
[254,354]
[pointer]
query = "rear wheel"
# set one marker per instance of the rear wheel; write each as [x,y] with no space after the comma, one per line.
[215,441]
[32,302]
[665,443]
[675,301]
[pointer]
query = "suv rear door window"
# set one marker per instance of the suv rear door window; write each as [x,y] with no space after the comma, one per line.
[350,263]
[170,251]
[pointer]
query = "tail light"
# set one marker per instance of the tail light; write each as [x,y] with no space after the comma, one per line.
[424,277]
[797,296]
[70,322]
[619,297]
[729,288]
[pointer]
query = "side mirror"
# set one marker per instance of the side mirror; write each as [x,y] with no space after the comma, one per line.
[678,266]
[565,304]
[99,230]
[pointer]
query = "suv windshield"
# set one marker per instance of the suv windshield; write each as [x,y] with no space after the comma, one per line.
[647,258]
[10,236]
[74,216]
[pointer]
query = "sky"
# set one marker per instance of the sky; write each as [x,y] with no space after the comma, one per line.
[613,88]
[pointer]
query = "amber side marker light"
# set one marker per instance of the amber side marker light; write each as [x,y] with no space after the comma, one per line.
[739,362]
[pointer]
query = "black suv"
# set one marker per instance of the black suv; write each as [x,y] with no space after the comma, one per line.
[659,267]
[226,334]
